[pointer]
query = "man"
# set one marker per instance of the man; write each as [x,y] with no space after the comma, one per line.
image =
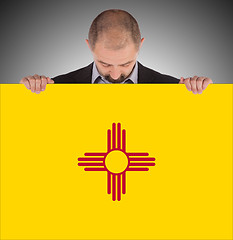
[115,40]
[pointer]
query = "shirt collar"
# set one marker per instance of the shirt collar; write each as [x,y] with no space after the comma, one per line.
[133,76]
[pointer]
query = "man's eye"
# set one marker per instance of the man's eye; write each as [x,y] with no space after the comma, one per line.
[126,65]
[105,65]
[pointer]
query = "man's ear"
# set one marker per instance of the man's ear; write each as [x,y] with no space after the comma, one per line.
[87,42]
[142,40]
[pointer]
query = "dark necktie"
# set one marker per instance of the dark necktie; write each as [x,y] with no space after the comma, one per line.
[129,81]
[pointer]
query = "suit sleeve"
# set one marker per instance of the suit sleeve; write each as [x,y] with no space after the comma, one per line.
[63,79]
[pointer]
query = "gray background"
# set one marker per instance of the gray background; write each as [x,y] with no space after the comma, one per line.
[182,38]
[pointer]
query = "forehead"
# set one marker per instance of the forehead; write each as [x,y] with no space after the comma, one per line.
[115,56]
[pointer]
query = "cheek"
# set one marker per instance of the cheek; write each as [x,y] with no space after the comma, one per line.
[102,70]
[128,71]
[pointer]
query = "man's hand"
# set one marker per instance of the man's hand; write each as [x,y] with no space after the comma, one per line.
[36,83]
[196,84]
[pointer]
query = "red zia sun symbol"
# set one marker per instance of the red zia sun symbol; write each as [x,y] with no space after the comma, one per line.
[116,161]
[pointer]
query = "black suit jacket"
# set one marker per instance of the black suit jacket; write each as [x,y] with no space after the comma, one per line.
[145,75]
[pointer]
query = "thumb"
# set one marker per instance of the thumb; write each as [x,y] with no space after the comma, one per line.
[50,81]
[181,80]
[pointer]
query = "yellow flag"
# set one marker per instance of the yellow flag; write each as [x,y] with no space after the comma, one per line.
[117,161]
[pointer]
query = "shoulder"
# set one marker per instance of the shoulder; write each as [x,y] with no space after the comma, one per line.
[147,75]
[82,75]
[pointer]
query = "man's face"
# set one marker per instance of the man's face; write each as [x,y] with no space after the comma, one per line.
[115,65]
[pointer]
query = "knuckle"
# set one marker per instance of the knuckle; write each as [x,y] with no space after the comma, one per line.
[193,81]
[32,81]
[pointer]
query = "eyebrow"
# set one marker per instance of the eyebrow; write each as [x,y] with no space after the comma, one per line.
[111,64]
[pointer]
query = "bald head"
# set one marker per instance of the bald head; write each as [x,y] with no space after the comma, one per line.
[115,29]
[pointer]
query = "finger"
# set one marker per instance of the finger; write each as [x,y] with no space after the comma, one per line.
[181,80]
[44,82]
[193,82]
[25,82]
[50,81]
[38,83]
[188,84]
[32,82]
[199,84]
[206,82]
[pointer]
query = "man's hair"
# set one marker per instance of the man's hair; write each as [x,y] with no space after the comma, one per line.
[116,19]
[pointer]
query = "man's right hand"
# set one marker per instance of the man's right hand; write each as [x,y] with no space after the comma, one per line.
[36,83]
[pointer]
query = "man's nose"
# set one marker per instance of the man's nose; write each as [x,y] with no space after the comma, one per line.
[115,74]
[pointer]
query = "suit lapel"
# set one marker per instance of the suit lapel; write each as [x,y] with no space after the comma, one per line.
[143,76]
[86,74]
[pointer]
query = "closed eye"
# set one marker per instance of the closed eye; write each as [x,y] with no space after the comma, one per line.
[125,65]
[105,65]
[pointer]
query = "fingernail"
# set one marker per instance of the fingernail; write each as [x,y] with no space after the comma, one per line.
[37,92]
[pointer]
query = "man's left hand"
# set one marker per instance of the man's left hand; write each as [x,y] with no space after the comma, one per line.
[196,84]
